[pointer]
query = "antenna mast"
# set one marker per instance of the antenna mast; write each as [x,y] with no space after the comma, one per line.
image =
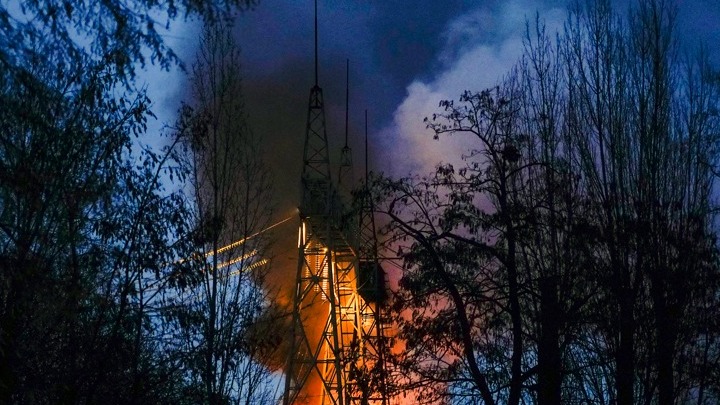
[371,287]
[316,46]
[345,172]
[336,329]
[315,367]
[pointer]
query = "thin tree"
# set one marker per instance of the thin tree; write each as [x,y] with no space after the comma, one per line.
[231,190]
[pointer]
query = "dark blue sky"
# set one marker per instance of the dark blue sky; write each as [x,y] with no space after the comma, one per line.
[404,57]
[391,46]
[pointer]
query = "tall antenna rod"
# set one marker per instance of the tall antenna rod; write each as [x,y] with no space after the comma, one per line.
[366,148]
[316,45]
[345,172]
[347,97]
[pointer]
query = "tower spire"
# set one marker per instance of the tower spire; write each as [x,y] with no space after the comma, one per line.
[345,174]
[316,156]
[366,148]
[316,45]
[347,97]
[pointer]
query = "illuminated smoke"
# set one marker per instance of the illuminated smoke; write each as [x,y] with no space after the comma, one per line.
[277,107]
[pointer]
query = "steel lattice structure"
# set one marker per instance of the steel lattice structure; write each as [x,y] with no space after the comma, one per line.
[336,355]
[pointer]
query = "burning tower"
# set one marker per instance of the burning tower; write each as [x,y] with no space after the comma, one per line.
[339,282]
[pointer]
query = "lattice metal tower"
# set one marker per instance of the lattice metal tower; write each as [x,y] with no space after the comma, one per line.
[371,289]
[336,328]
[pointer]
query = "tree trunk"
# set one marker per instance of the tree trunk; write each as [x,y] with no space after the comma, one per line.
[514,298]
[549,356]
[665,345]
[625,356]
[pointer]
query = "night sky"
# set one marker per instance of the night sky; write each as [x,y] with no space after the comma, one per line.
[404,58]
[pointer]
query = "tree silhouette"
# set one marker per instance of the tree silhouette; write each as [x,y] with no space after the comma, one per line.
[88,230]
[218,315]
[571,259]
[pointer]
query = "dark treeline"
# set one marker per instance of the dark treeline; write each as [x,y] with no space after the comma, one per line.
[113,284]
[573,257]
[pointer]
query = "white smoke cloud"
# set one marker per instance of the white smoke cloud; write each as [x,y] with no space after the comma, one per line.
[480,48]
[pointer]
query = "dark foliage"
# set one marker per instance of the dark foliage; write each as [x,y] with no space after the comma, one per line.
[93,223]
[573,258]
